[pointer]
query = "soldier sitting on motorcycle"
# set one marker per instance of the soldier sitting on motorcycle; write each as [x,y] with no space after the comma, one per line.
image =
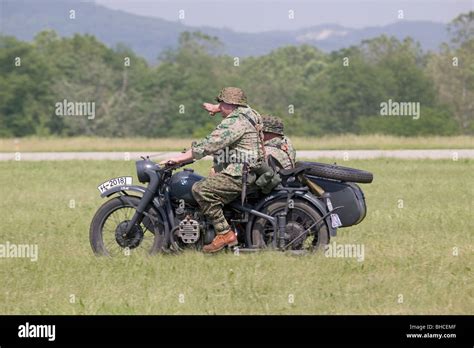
[276,143]
[238,142]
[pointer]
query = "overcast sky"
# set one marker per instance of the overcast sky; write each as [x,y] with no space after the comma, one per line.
[262,15]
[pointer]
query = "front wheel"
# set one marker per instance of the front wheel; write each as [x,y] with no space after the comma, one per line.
[107,231]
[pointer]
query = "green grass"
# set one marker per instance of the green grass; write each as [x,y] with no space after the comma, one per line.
[408,251]
[330,142]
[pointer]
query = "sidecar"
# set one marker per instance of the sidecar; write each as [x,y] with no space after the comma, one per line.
[336,185]
[346,195]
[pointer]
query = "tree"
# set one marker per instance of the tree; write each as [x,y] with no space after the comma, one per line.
[453,72]
[313,92]
[25,101]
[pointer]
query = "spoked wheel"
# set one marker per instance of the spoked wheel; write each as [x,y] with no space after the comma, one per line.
[302,232]
[108,229]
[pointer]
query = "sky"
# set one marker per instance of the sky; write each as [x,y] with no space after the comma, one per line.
[265,15]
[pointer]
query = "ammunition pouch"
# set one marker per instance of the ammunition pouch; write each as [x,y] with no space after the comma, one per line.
[267,178]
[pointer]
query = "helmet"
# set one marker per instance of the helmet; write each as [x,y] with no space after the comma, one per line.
[232,95]
[272,124]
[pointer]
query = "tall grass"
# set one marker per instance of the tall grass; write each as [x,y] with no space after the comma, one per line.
[418,239]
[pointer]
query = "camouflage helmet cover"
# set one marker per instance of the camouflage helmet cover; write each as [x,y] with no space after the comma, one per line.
[272,124]
[232,95]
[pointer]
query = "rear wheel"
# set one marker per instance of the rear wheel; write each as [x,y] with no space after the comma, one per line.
[107,232]
[303,233]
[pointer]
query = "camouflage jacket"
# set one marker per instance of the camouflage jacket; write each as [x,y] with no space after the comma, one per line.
[282,150]
[234,141]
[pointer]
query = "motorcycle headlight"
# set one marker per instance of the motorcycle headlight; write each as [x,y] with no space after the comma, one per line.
[142,166]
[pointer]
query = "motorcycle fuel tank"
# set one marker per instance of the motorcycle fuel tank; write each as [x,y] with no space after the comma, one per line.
[181,183]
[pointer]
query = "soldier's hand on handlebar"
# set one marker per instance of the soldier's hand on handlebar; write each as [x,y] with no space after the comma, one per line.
[181,158]
[169,162]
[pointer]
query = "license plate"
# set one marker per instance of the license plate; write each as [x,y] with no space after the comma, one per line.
[120,181]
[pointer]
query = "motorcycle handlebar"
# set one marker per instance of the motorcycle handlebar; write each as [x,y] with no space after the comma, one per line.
[173,165]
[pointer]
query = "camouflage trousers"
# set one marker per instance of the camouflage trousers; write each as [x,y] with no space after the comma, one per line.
[213,193]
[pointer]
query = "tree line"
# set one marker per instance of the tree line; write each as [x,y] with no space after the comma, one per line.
[314,92]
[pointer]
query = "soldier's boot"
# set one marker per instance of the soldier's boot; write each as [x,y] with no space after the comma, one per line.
[220,241]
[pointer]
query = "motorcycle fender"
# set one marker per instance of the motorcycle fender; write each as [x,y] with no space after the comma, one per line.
[307,197]
[140,189]
[322,209]
[116,189]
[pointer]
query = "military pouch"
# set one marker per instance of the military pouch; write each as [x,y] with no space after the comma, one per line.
[267,178]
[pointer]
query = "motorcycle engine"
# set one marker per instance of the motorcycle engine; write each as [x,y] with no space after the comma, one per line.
[189,230]
[191,227]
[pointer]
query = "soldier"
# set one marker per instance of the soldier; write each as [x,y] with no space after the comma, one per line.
[236,140]
[276,143]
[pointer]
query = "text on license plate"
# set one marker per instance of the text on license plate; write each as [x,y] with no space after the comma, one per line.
[120,181]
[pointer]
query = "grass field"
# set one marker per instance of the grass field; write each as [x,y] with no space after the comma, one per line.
[340,142]
[418,258]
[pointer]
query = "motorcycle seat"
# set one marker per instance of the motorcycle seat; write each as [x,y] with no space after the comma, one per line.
[293,171]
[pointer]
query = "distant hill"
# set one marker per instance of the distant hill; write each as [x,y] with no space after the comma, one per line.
[149,36]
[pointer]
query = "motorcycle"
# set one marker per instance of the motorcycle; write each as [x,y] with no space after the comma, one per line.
[301,214]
